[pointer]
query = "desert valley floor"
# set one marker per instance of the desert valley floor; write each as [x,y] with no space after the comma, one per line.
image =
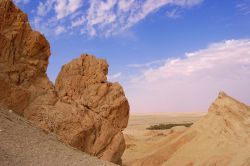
[141,142]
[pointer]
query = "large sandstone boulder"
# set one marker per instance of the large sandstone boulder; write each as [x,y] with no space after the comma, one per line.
[83,108]
[90,112]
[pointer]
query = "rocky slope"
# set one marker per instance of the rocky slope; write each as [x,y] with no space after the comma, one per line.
[83,108]
[222,137]
[25,145]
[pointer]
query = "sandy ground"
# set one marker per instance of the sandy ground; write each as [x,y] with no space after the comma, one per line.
[141,142]
[22,144]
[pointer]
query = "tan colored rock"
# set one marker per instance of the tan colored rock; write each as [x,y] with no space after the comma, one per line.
[84,81]
[90,113]
[23,59]
[222,137]
[39,148]
[83,109]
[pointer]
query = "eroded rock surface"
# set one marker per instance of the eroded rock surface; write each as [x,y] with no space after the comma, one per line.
[23,59]
[83,108]
[90,112]
[22,144]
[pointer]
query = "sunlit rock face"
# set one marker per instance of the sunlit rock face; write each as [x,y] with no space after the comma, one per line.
[24,58]
[83,108]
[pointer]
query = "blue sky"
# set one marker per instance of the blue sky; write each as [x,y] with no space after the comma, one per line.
[140,37]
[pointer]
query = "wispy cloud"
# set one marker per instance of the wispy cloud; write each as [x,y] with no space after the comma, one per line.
[78,22]
[114,76]
[101,17]
[112,17]
[191,83]
[59,30]
[147,65]
[64,8]
[175,13]
[244,7]
[44,8]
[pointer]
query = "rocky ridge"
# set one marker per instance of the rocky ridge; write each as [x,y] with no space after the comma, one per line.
[222,137]
[83,109]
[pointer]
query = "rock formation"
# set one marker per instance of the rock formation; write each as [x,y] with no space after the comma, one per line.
[83,108]
[39,148]
[23,59]
[222,137]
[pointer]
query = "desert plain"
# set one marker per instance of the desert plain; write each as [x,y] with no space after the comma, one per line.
[141,142]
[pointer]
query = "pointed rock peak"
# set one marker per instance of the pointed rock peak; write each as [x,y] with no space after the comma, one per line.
[224,97]
[224,102]
[222,94]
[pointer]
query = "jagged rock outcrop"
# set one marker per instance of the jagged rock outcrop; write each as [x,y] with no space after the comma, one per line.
[222,137]
[83,108]
[23,59]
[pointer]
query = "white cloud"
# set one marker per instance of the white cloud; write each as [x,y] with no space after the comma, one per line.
[193,82]
[106,17]
[61,8]
[78,22]
[100,13]
[101,17]
[44,8]
[64,8]
[59,30]
[125,5]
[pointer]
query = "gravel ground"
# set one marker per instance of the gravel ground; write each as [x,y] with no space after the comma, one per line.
[22,144]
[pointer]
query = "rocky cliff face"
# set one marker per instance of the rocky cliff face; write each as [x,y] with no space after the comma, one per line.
[23,59]
[222,137]
[83,108]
